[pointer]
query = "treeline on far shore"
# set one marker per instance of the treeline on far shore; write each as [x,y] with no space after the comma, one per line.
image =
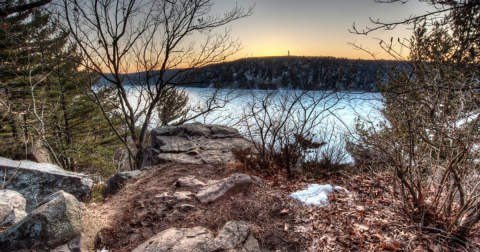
[286,72]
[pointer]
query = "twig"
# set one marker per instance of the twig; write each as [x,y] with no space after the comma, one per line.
[448,235]
[5,174]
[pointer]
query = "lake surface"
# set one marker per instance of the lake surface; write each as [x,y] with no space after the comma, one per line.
[337,113]
[339,110]
[349,106]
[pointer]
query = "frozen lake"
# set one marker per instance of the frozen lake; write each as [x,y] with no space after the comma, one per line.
[349,107]
[337,112]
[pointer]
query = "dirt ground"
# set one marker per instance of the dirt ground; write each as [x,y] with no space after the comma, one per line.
[135,214]
[363,220]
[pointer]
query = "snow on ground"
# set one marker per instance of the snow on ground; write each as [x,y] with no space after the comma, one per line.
[316,194]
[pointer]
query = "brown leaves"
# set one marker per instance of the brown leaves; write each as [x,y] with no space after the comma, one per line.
[363,220]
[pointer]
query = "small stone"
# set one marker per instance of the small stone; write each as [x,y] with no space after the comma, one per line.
[164,196]
[180,196]
[217,189]
[189,182]
[232,234]
[147,168]
[186,207]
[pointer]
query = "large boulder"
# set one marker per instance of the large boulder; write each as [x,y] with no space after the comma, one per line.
[35,181]
[56,221]
[60,222]
[217,189]
[12,207]
[194,144]
[118,181]
[233,237]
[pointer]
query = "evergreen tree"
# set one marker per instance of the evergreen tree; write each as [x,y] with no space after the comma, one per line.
[27,41]
[40,78]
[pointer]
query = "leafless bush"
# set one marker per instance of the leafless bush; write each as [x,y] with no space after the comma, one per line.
[428,140]
[282,125]
[429,137]
[333,155]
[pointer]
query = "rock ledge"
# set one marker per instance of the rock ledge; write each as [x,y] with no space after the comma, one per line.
[194,144]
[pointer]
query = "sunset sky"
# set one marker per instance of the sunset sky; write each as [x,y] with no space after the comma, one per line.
[315,27]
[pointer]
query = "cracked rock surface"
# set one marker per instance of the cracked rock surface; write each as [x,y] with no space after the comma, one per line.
[233,237]
[60,220]
[12,207]
[194,144]
[217,189]
[35,181]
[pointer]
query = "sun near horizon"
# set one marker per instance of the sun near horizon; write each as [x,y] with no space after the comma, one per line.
[314,28]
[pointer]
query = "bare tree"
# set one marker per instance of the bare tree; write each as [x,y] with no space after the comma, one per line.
[148,38]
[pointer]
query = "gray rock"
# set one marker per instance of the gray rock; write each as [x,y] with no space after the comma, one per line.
[118,181]
[12,207]
[39,153]
[194,144]
[189,182]
[224,131]
[35,181]
[181,196]
[72,246]
[250,245]
[56,221]
[234,235]
[186,207]
[164,197]
[166,131]
[60,223]
[178,240]
[175,144]
[217,189]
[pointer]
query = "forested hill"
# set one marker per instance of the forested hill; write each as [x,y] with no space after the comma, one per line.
[294,72]
[287,72]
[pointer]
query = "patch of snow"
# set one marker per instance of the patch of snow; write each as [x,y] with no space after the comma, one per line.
[316,194]
[469,118]
[103,250]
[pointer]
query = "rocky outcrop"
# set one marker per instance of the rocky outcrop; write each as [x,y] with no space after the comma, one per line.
[217,189]
[12,207]
[118,181]
[194,144]
[56,221]
[233,237]
[60,222]
[35,181]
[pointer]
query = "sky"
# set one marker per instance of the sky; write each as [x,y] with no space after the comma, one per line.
[315,27]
